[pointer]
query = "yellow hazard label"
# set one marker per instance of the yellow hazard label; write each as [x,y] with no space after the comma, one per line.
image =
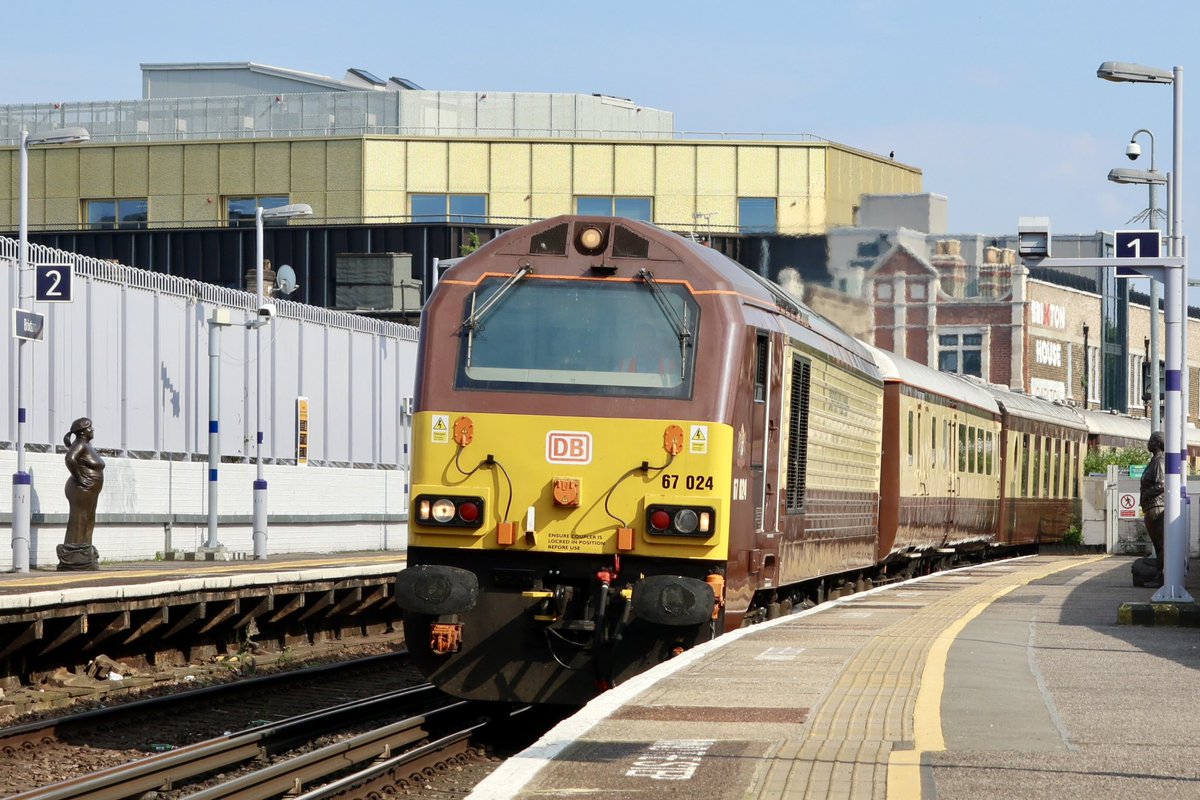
[698,441]
[440,432]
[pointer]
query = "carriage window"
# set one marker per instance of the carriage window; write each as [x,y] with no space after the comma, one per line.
[1049,448]
[762,356]
[910,437]
[1058,467]
[1068,467]
[946,444]
[1037,467]
[1024,491]
[962,448]
[1075,470]
[539,335]
[971,449]
[917,446]
[988,452]
[933,443]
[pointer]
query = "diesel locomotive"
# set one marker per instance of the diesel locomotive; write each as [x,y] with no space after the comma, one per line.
[626,444]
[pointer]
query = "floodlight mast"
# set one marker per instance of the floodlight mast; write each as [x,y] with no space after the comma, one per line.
[22,484]
[264,312]
[1176,522]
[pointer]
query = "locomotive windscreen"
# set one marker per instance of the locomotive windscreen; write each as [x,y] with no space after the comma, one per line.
[580,337]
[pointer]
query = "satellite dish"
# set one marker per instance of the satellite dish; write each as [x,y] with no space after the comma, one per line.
[285,279]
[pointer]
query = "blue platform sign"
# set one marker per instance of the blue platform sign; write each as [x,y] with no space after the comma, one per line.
[28,324]
[1136,244]
[54,283]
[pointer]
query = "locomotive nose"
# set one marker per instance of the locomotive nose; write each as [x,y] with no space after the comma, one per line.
[436,590]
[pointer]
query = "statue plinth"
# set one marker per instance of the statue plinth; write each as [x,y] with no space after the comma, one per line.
[77,557]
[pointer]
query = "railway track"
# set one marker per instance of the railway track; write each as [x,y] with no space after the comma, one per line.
[307,750]
[47,751]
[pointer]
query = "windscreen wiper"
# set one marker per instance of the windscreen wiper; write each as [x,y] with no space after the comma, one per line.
[677,322]
[475,319]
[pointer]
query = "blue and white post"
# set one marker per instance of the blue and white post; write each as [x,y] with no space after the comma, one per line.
[1174,534]
[220,317]
[260,483]
[22,488]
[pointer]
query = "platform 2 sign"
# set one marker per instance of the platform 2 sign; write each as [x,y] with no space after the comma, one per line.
[1127,505]
[53,283]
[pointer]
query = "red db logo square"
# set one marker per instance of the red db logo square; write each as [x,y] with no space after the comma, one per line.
[568,447]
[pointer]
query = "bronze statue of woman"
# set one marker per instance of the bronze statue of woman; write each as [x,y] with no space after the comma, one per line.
[83,489]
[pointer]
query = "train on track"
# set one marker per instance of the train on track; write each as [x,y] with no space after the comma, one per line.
[626,444]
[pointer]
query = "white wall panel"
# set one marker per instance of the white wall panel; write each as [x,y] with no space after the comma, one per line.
[284,389]
[335,413]
[364,389]
[131,352]
[104,349]
[140,377]
[171,374]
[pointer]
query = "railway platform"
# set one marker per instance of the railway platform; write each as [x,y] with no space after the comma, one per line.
[1002,680]
[168,613]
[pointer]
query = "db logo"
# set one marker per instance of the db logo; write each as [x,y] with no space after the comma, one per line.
[568,447]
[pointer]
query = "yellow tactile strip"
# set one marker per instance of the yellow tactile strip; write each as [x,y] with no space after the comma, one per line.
[867,734]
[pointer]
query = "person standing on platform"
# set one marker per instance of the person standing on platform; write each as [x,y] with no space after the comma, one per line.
[1153,499]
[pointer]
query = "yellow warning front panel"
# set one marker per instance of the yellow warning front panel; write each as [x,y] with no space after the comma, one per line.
[603,455]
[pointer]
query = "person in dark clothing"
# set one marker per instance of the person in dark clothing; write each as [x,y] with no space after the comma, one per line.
[1153,500]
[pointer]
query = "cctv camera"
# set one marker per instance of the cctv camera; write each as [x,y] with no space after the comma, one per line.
[266,311]
[1133,150]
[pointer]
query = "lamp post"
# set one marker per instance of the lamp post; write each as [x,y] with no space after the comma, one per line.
[1176,544]
[264,312]
[22,483]
[1153,179]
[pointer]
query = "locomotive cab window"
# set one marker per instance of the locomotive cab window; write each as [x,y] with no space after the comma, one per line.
[541,334]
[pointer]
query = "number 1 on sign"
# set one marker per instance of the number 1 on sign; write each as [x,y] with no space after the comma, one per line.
[1136,246]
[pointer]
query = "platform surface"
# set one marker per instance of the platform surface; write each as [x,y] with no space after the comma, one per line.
[48,586]
[1006,680]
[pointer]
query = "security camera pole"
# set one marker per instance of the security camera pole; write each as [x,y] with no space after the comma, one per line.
[264,311]
[1177,527]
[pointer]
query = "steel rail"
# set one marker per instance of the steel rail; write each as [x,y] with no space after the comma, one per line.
[47,730]
[289,776]
[164,771]
[377,775]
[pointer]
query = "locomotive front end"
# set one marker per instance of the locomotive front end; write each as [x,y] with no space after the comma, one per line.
[569,515]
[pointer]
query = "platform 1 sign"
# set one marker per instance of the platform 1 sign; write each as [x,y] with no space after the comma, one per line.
[1136,244]
[28,324]
[1127,505]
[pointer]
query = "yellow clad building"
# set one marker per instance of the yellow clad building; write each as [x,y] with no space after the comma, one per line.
[363,151]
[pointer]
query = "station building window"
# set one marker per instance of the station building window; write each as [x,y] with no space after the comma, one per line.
[126,213]
[239,211]
[961,353]
[470,208]
[641,208]
[756,215]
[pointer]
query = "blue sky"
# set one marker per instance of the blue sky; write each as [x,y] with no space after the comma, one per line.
[996,102]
